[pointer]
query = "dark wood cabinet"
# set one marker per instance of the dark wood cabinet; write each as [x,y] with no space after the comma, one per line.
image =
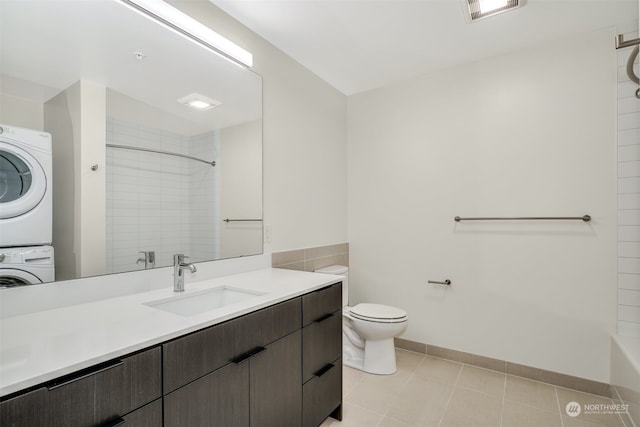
[217,399]
[149,415]
[190,357]
[276,384]
[25,410]
[321,355]
[106,392]
[263,369]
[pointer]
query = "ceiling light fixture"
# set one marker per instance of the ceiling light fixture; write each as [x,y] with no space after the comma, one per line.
[185,25]
[199,102]
[478,9]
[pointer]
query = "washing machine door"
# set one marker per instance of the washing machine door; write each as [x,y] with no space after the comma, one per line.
[11,277]
[23,182]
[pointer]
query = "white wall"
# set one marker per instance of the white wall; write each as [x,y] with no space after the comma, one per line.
[77,115]
[21,112]
[628,192]
[530,133]
[241,188]
[304,141]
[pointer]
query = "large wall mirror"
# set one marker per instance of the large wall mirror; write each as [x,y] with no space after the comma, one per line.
[135,167]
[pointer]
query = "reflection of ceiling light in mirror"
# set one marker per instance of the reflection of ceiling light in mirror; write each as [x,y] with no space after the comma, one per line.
[199,102]
[185,25]
[478,9]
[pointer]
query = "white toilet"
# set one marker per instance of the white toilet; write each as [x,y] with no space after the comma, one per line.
[368,331]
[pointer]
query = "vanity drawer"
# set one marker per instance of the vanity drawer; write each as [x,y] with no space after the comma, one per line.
[149,415]
[321,303]
[322,394]
[197,354]
[25,410]
[105,392]
[321,344]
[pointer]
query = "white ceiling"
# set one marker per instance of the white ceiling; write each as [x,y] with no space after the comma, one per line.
[358,45]
[48,45]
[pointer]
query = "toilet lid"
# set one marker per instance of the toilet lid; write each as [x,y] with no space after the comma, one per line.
[378,313]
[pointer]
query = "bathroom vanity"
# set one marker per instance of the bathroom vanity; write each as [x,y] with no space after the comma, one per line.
[270,360]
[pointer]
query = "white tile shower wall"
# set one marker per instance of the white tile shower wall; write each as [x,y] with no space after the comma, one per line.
[628,192]
[148,196]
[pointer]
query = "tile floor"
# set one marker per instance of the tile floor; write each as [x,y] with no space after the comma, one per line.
[431,392]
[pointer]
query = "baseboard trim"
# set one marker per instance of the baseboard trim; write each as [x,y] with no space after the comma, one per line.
[537,374]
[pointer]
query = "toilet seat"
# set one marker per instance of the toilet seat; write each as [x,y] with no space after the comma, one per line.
[378,313]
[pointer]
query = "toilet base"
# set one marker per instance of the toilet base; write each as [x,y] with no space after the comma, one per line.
[383,362]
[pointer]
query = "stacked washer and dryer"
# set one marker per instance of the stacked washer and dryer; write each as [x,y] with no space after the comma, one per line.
[26,207]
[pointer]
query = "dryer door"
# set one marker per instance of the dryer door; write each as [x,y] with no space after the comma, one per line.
[11,277]
[23,182]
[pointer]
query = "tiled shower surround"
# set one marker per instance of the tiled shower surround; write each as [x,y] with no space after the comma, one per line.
[157,202]
[628,192]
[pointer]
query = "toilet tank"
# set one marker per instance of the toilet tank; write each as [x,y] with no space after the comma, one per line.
[340,270]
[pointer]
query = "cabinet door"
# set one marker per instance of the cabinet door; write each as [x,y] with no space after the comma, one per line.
[104,393]
[219,399]
[26,410]
[190,357]
[148,416]
[276,384]
[321,302]
[321,344]
[322,395]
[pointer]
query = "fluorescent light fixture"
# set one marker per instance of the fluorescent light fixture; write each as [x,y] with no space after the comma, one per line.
[185,25]
[478,9]
[199,102]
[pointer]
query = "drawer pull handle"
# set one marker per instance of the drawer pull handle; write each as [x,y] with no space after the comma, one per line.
[114,423]
[323,317]
[103,368]
[326,368]
[248,354]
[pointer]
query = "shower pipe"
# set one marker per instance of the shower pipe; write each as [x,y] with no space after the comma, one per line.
[622,43]
[585,218]
[168,153]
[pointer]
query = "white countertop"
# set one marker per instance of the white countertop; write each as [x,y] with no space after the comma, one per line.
[41,346]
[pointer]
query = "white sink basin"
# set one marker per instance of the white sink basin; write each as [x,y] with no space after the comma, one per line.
[207,300]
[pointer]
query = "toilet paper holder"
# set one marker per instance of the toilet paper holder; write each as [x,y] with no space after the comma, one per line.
[446,282]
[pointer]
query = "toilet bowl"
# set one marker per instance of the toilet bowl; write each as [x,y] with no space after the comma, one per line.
[368,331]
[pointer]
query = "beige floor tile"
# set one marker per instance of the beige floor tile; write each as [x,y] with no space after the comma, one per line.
[354,416]
[581,422]
[531,393]
[518,415]
[598,417]
[440,370]
[390,422]
[408,360]
[350,379]
[421,402]
[469,408]
[371,395]
[483,380]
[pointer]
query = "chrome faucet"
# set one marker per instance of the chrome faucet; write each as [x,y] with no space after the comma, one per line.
[148,258]
[178,271]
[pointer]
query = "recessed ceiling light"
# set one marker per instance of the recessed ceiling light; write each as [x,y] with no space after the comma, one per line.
[478,9]
[199,102]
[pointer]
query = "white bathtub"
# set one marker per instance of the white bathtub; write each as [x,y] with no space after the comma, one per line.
[625,375]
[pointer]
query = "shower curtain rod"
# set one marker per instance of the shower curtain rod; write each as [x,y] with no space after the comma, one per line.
[168,153]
